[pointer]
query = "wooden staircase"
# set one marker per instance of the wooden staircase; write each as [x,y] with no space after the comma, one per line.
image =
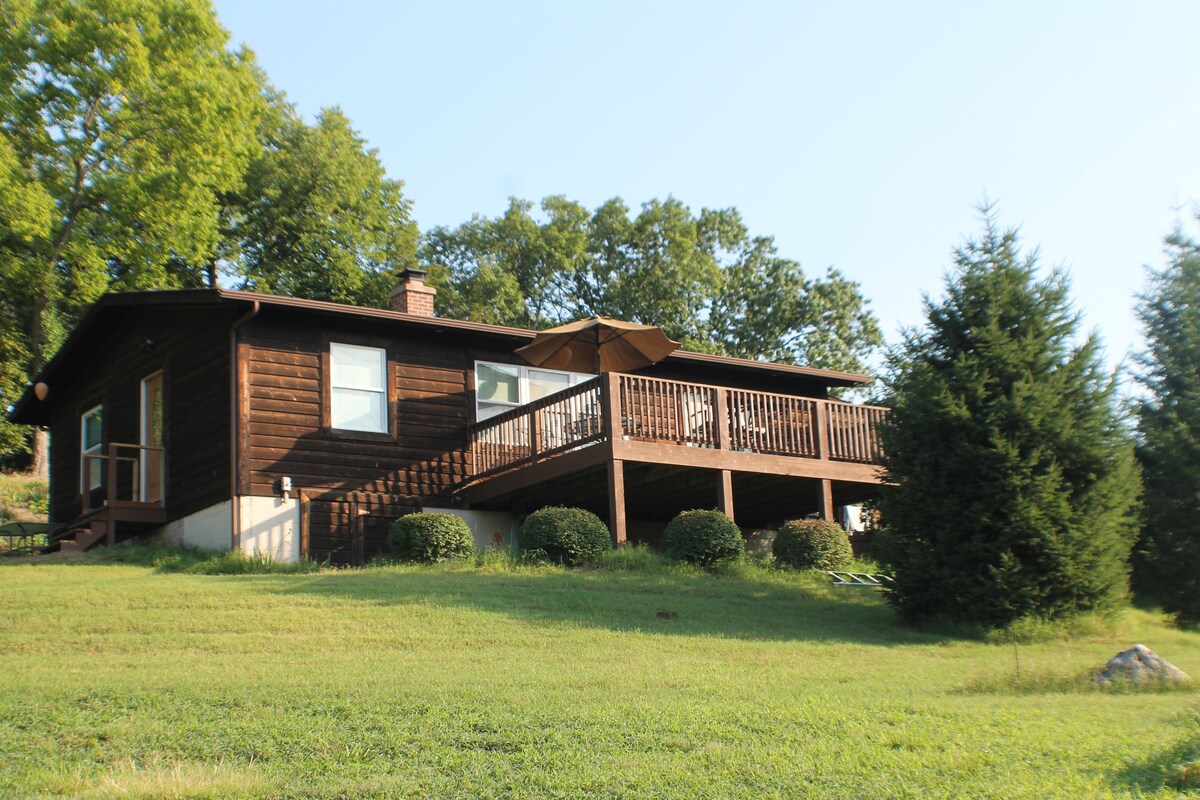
[116,508]
[79,536]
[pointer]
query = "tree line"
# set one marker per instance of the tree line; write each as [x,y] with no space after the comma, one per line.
[137,151]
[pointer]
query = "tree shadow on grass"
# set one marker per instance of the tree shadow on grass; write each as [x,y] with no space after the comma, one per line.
[668,604]
[1174,768]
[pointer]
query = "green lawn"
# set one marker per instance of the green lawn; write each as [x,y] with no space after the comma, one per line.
[120,681]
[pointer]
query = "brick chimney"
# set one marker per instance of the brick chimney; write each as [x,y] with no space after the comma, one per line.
[412,296]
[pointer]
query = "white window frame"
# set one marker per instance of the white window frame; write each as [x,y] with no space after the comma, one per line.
[523,372]
[381,390]
[145,461]
[84,450]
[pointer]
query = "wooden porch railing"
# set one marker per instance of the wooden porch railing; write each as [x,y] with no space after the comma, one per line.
[557,423]
[689,414]
[126,475]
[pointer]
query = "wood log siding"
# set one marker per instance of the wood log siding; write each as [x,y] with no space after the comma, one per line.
[191,347]
[282,422]
[349,531]
[690,414]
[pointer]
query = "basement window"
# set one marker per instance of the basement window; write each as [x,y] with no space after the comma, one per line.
[358,399]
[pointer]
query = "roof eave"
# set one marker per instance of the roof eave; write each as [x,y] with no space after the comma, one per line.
[28,410]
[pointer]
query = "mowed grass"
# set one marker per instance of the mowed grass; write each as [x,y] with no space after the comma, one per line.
[119,681]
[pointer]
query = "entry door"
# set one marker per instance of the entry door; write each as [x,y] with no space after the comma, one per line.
[152,437]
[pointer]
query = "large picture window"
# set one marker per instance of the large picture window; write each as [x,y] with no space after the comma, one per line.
[499,387]
[358,397]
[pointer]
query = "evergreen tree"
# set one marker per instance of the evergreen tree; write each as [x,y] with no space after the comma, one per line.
[1014,484]
[1168,561]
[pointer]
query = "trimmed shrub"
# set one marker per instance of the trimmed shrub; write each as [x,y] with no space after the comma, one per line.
[566,535]
[429,538]
[703,537]
[812,544]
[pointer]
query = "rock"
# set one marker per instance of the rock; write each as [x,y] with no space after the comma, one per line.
[1139,665]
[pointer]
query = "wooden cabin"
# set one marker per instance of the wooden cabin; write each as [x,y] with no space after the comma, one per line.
[294,428]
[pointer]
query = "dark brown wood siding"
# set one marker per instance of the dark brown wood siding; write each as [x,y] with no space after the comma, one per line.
[286,393]
[191,347]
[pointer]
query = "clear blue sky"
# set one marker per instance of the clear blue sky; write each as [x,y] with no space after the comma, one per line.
[859,135]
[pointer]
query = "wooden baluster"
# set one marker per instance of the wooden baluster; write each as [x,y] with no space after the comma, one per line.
[535,433]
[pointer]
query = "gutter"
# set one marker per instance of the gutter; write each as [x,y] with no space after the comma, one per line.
[235,516]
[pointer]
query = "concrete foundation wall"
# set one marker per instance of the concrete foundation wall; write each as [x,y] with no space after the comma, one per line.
[486,526]
[207,528]
[270,527]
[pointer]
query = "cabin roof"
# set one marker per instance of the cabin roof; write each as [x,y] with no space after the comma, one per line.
[108,313]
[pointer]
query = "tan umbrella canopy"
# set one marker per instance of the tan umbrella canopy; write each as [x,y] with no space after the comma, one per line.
[598,344]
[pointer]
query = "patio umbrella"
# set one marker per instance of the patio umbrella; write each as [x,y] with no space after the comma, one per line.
[598,344]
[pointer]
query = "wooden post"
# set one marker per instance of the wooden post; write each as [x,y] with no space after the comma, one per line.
[305,521]
[535,434]
[357,556]
[825,497]
[610,406]
[822,429]
[616,501]
[721,420]
[725,492]
[110,476]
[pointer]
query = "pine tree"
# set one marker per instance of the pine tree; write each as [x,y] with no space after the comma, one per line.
[1014,484]
[1168,561]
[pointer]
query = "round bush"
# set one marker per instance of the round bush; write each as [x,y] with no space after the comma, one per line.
[703,537]
[812,544]
[429,538]
[567,535]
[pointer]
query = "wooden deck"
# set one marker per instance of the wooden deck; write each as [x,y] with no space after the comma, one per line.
[122,495]
[617,418]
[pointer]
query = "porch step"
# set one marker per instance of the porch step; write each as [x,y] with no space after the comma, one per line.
[79,539]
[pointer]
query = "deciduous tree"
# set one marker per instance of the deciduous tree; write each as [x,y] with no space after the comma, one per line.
[318,216]
[701,277]
[126,119]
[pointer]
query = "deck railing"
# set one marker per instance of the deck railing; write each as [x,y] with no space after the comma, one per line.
[554,424]
[677,412]
[130,475]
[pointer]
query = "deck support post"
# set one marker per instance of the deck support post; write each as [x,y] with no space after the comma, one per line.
[616,501]
[825,497]
[725,492]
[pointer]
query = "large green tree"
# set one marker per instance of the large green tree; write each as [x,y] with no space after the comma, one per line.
[1014,483]
[1168,562]
[701,277]
[121,123]
[317,216]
